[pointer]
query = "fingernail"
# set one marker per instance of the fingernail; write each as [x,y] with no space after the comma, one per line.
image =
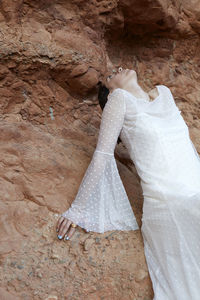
[60,237]
[56,229]
[66,238]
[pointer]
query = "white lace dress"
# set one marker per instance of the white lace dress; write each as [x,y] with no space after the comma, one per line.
[158,141]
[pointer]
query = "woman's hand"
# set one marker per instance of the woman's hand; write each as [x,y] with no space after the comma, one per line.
[64,229]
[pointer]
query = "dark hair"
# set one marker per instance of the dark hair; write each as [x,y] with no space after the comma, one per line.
[103,98]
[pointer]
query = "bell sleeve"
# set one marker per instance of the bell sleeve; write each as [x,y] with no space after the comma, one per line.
[101,203]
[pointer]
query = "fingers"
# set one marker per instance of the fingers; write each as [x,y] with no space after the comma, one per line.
[63,228]
[70,233]
[60,220]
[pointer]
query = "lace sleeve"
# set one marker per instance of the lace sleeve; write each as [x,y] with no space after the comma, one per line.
[101,203]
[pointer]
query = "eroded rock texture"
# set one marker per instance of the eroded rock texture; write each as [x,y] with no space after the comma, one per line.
[52,55]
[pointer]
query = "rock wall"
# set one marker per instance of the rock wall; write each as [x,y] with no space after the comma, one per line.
[52,56]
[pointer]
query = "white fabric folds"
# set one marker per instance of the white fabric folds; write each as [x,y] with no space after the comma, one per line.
[101,203]
[168,164]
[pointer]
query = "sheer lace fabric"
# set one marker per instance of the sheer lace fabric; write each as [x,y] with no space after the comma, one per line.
[158,141]
[168,164]
[101,203]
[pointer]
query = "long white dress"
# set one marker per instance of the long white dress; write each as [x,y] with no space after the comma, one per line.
[158,141]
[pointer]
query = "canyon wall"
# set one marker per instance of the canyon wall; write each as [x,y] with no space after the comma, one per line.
[52,56]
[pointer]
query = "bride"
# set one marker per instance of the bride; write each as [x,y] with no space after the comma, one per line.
[157,138]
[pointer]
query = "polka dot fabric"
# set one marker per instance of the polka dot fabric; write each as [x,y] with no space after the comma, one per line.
[168,164]
[101,203]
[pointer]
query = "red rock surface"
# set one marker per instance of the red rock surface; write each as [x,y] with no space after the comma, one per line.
[52,55]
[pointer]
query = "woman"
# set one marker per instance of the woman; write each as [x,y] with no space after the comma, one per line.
[158,141]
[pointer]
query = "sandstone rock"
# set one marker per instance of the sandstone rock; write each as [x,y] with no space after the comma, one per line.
[52,56]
